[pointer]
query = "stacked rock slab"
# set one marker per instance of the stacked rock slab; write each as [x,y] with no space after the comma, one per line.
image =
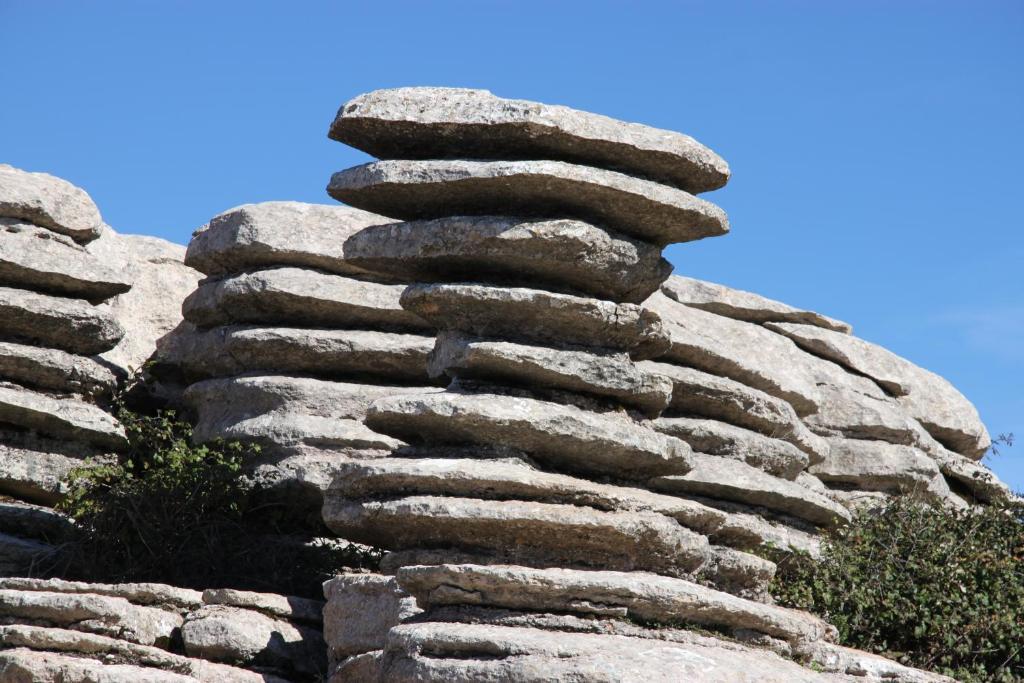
[54,630]
[286,343]
[541,489]
[53,328]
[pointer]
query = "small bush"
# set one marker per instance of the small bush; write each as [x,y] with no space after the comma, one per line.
[932,588]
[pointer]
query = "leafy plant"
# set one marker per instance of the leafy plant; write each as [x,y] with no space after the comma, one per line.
[934,588]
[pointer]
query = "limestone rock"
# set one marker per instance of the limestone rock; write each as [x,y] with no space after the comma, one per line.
[978,479]
[21,665]
[523,532]
[50,202]
[68,324]
[136,593]
[538,316]
[287,607]
[41,260]
[864,666]
[54,370]
[33,467]
[932,400]
[701,394]
[602,373]
[735,303]
[298,297]
[59,417]
[34,522]
[876,466]
[857,409]
[566,436]
[256,236]
[565,255]
[774,456]
[425,123]
[410,190]
[360,610]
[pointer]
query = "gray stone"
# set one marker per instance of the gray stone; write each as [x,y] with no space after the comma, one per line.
[21,556]
[284,606]
[363,667]
[774,456]
[564,255]
[538,316]
[857,409]
[360,610]
[298,297]
[22,665]
[521,532]
[33,468]
[607,374]
[58,417]
[727,479]
[68,324]
[34,521]
[735,303]
[701,394]
[39,259]
[412,190]
[55,370]
[233,350]
[468,653]
[945,412]
[48,201]
[256,236]
[424,123]
[565,436]
[137,593]
[737,572]
[876,466]
[863,666]
[975,477]
[643,597]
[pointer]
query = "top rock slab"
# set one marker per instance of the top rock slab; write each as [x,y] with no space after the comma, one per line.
[424,123]
[49,202]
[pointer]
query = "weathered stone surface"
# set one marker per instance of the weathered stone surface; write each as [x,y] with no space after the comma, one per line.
[563,254]
[255,236]
[876,466]
[222,633]
[639,597]
[978,479]
[727,479]
[700,394]
[360,610]
[945,412]
[607,374]
[284,606]
[538,316]
[428,189]
[22,665]
[34,521]
[233,350]
[48,201]
[362,667]
[465,653]
[425,123]
[137,593]
[69,324]
[737,572]
[39,259]
[33,467]
[863,666]
[298,297]
[523,532]
[857,409]
[104,615]
[735,303]
[566,436]
[774,456]
[54,369]
[59,417]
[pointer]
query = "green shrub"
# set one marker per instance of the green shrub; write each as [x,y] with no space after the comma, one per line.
[932,588]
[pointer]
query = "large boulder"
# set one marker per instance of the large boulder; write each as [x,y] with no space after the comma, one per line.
[69,324]
[50,202]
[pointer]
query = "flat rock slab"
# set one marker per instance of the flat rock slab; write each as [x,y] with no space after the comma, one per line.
[545,534]
[296,296]
[726,479]
[360,610]
[237,349]
[413,190]
[876,466]
[431,123]
[566,436]
[607,374]
[68,324]
[640,597]
[39,259]
[933,401]
[741,305]
[700,394]
[54,370]
[22,664]
[136,593]
[50,202]
[467,653]
[33,468]
[564,255]
[65,418]
[256,236]
[538,316]
[978,479]
[287,607]
[774,456]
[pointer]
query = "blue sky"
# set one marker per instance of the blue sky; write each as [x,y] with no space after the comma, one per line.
[876,147]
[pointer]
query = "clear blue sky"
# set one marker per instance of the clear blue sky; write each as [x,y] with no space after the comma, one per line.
[876,147]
